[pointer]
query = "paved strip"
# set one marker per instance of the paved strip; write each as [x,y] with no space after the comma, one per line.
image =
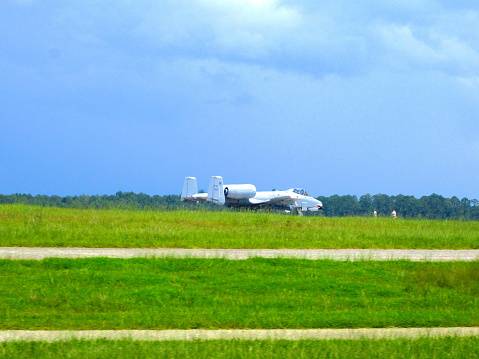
[242,334]
[432,255]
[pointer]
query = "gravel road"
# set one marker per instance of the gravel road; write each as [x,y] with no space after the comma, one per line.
[236,254]
[245,334]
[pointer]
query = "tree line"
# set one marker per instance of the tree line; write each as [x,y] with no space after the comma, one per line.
[427,207]
[120,200]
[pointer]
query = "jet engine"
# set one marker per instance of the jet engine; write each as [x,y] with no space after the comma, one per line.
[240,191]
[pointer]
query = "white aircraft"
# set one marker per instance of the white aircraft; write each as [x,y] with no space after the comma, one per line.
[245,195]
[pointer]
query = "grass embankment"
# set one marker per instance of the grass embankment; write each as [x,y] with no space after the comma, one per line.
[216,293]
[55,227]
[401,348]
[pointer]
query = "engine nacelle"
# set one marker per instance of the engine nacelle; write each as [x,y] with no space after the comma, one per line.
[240,191]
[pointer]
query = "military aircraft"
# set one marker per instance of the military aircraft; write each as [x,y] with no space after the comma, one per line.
[245,195]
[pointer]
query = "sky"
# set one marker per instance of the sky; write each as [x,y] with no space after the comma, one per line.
[337,97]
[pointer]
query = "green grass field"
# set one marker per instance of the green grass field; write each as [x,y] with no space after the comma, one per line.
[99,349]
[30,226]
[105,293]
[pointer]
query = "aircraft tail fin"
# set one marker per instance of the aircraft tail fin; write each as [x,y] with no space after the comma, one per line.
[216,192]
[190,188]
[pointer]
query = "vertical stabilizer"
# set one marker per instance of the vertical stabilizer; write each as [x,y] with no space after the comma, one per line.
[190,188]
[216,192]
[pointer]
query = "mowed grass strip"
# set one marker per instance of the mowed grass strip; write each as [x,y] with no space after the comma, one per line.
[31,226]
[400,348]
[100,293]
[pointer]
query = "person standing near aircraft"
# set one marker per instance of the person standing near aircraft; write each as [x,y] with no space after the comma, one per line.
[375,213]
[394,214]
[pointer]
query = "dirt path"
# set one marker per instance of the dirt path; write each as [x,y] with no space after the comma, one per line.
[336,254]
[244,334]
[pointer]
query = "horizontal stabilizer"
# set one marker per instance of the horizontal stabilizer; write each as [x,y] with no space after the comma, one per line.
[200,196]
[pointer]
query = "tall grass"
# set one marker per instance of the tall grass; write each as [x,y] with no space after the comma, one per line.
[99,349]
[258,293]
[22,225]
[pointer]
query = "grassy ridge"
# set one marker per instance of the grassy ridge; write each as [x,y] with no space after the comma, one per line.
[105,293]
[401,348]
[55,227]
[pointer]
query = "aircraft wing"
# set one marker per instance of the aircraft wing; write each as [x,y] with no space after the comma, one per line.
[257,201]
[283,200]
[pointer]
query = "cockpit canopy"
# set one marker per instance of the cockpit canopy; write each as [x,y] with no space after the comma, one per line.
[300,191]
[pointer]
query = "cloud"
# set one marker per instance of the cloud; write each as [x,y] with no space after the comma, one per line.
[241,29]
[471,83]
[320,39]
[315,38]
[400,41]
[356,85]
[406,46]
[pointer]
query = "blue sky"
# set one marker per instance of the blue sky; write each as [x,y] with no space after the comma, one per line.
[336,97]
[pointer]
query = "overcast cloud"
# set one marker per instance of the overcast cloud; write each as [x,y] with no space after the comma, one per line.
[336,97]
